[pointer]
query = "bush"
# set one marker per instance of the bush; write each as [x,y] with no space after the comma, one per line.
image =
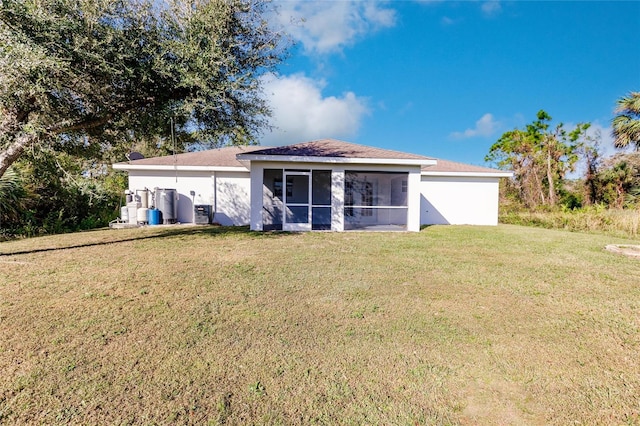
[595,218]
[56,196]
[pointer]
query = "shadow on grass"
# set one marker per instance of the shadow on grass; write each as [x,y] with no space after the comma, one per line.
[423,227]
[212,231]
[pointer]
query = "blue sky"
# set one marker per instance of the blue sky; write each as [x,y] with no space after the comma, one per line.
[446,79]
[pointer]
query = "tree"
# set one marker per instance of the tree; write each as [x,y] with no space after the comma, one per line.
[88,76]
[11,199]
[618,180]
[626,124]
[589,150]
[515,151]
[539,158]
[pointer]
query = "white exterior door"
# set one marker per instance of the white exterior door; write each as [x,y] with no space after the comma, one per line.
[297,201]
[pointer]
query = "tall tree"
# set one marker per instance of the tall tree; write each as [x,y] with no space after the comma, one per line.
[626,124]
[589,150]
[540,158]
[516,151]
[617,181]
[89,75]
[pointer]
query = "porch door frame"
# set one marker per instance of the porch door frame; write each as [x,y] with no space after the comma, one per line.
[296,226]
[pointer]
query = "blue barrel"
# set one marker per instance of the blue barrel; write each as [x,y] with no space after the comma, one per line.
[154,217]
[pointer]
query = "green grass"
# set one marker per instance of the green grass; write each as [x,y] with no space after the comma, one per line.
[206,325]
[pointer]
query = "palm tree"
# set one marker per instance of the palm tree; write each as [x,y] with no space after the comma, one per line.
[626,124]
[11,196]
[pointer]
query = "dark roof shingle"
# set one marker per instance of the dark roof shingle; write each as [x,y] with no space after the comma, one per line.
[328,148]
[331,148]
[221,157]
[446,166]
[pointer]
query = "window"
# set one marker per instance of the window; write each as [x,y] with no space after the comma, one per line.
[277,187]
[367,198]
[375,199]
[321,200]
[348,199]
[272,206]
[292,197]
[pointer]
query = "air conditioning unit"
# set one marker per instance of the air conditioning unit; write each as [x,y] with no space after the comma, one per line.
[202,214]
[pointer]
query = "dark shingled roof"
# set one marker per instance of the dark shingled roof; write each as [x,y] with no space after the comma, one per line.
[445,166]
[337,149]
[226,157]
[221,157]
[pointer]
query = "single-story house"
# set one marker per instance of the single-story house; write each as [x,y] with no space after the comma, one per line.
[322,185]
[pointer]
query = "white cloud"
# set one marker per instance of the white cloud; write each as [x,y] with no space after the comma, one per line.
[601,133]
[606,140]
[329,26]
[607,149]
[485,126]
[448,21]
[491,7]
[301,113]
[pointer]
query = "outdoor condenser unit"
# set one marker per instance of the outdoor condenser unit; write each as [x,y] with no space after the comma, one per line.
[202,214]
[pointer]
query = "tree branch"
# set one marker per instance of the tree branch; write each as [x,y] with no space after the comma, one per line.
[15,150]
[81,125]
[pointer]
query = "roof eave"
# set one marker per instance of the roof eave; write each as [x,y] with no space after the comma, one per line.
[469,174]
[128,167]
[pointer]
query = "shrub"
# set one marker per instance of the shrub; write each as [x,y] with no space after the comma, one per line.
[596,218]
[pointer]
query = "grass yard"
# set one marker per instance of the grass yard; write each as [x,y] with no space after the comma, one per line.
[206,325]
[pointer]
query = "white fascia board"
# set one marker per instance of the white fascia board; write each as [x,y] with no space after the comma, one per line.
[124,166]
[469,174]
[335,160]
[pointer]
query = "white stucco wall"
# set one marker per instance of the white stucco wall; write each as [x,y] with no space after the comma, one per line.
[233,198]
[442,199]
[457,200]
[227,192]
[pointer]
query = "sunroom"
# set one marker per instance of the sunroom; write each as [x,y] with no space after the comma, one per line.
[322,187]
[301,200]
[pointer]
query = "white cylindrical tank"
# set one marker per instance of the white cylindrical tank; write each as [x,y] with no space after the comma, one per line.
[124,214]
[133,209]
[143,215]
[142,196]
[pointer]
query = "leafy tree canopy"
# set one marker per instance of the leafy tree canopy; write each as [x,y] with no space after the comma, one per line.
[89,76]
[539,157]
[626,124]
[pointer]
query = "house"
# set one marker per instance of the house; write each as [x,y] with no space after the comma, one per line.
[322,185]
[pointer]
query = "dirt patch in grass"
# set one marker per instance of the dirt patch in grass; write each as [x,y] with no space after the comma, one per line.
[208,325]
[625,249]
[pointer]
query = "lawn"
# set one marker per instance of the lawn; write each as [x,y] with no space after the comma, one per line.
[207,325]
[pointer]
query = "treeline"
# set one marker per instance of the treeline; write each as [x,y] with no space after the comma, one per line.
[559,168]
[543,158]
[55,194]
[66,190]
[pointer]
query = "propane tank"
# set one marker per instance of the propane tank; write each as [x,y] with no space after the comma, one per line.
[142,196]
[143,215]
[133,208]
[124,214]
